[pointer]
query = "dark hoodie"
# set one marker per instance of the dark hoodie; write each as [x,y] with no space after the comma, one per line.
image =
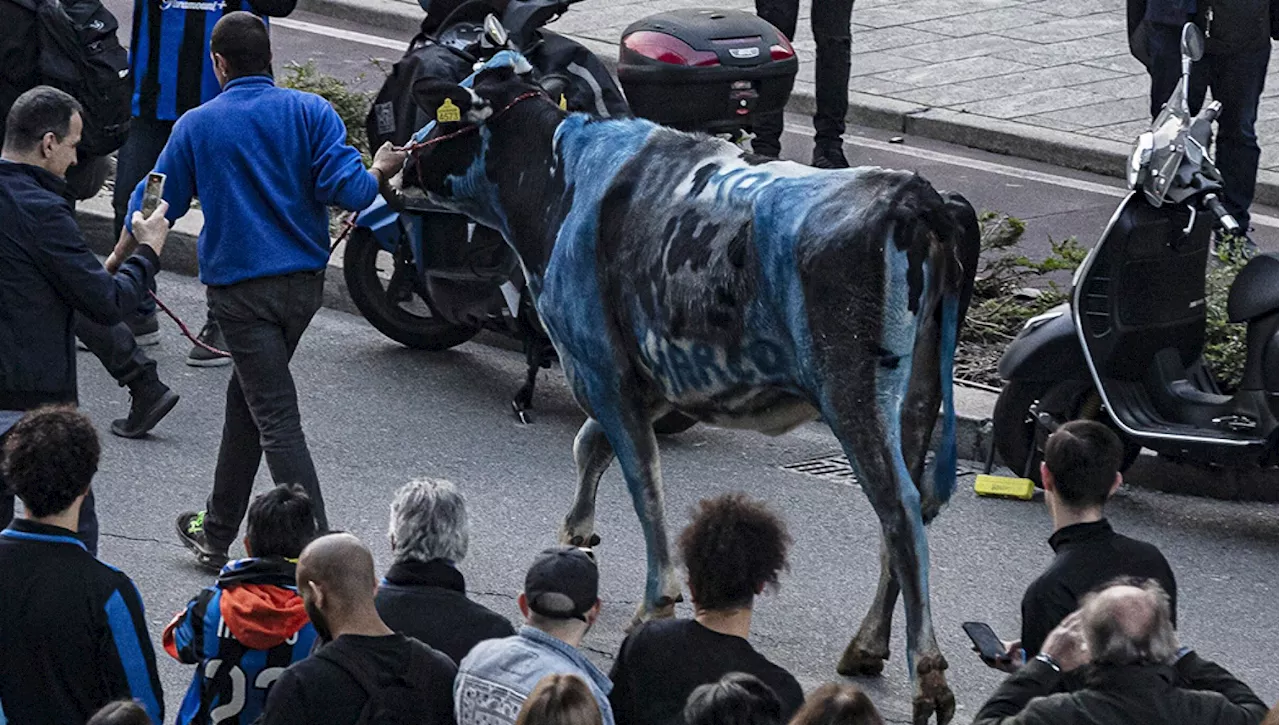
[242,633]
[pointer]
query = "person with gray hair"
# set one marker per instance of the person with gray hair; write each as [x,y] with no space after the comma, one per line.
[424,595]
[1122,641]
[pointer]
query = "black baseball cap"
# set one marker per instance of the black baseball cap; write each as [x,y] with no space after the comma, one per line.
[563,583]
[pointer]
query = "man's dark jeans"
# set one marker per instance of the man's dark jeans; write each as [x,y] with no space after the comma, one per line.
[262,321]
[834,37]
[135,160]
[1237,80]
[87,529]
[116,348]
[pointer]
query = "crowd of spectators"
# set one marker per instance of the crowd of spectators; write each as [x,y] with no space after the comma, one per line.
[300,630]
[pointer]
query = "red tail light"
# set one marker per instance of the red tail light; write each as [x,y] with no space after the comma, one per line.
[668,49]
[782,50]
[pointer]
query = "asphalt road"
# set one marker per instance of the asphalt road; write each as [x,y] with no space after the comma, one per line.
[377,414]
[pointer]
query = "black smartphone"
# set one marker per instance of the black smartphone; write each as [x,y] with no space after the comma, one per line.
[984,638]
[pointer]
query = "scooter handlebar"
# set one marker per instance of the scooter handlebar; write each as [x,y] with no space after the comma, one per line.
[1225,220]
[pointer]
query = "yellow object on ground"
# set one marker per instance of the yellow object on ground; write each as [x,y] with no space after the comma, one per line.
[987,485]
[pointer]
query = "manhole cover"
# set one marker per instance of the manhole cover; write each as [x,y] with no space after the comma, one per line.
[834,467]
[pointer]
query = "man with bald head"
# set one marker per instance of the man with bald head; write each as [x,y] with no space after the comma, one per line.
[364,672]
[1118,658]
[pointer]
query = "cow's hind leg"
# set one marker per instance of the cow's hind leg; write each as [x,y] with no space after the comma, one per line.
[878,462]
[869,648]
[592,453]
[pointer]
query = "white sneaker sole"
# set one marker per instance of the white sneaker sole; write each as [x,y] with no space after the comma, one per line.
[214,362]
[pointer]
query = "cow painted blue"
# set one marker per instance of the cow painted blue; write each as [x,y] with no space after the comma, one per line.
[674,272]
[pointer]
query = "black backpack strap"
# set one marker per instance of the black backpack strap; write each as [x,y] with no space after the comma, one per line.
[358,672]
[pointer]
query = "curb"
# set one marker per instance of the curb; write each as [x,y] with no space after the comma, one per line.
[1009,138]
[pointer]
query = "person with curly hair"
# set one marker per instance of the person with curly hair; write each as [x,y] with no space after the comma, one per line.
[838,703]
[733,550]
[560,699]
[74,632]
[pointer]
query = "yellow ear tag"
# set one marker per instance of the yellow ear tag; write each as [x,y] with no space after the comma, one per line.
[448,113]
[564,106]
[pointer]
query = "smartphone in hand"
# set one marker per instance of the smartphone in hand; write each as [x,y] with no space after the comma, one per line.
[989,646]
[152,193]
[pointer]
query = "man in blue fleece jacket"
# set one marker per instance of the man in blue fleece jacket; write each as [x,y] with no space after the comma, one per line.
[267,163]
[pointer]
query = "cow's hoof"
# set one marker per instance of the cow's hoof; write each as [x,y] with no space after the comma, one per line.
[664,609]
[587,542]
[859,661]
[932,696]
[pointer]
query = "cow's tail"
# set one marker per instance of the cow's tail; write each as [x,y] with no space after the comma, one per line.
[949,239]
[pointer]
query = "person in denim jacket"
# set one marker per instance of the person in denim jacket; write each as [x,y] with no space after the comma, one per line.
[559,603]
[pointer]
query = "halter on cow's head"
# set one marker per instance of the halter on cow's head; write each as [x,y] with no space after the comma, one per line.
[451,148]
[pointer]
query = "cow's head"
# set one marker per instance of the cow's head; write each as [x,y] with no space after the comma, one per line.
[450,158]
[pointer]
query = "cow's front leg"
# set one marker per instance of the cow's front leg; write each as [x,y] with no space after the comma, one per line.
[869,648]
[636,447]
[592,453]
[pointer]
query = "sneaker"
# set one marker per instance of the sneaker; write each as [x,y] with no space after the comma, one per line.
[146,330]
[210,335]
[829,157]
[152,401]
[191,533]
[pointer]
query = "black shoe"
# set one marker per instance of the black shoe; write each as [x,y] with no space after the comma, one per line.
[146,330]
[152,401]
[829,157]
[210,335]
[191,533]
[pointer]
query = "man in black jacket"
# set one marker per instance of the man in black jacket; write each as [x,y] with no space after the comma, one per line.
[48,276]
[75,635]
[1080,472]
[1237,52]
[424,595]
[1123,642]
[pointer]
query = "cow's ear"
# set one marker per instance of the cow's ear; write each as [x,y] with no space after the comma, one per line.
[443,101]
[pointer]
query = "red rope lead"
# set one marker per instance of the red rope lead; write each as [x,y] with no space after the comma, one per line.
[187,331]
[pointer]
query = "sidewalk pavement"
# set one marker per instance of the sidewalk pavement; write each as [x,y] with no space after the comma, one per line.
[1043,80]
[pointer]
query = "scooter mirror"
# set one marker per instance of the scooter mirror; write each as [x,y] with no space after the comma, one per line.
[1192,42]
[495,31]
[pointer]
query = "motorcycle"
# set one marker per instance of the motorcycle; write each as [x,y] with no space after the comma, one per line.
[431,279]
[1127,349]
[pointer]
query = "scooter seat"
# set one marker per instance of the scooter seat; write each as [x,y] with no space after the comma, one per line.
[1254,292]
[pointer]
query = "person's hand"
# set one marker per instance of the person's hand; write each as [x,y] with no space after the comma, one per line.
[124,247]
[1066,643]
[388,160]
[1012,660]
[153,230]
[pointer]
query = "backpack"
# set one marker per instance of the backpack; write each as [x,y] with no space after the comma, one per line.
[393,704]
[80,54]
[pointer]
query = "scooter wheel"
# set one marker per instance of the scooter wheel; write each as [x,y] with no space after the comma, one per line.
[367,270]
[1017,435]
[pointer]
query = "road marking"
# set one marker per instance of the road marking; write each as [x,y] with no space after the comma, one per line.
[330,32]
[1067,182]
